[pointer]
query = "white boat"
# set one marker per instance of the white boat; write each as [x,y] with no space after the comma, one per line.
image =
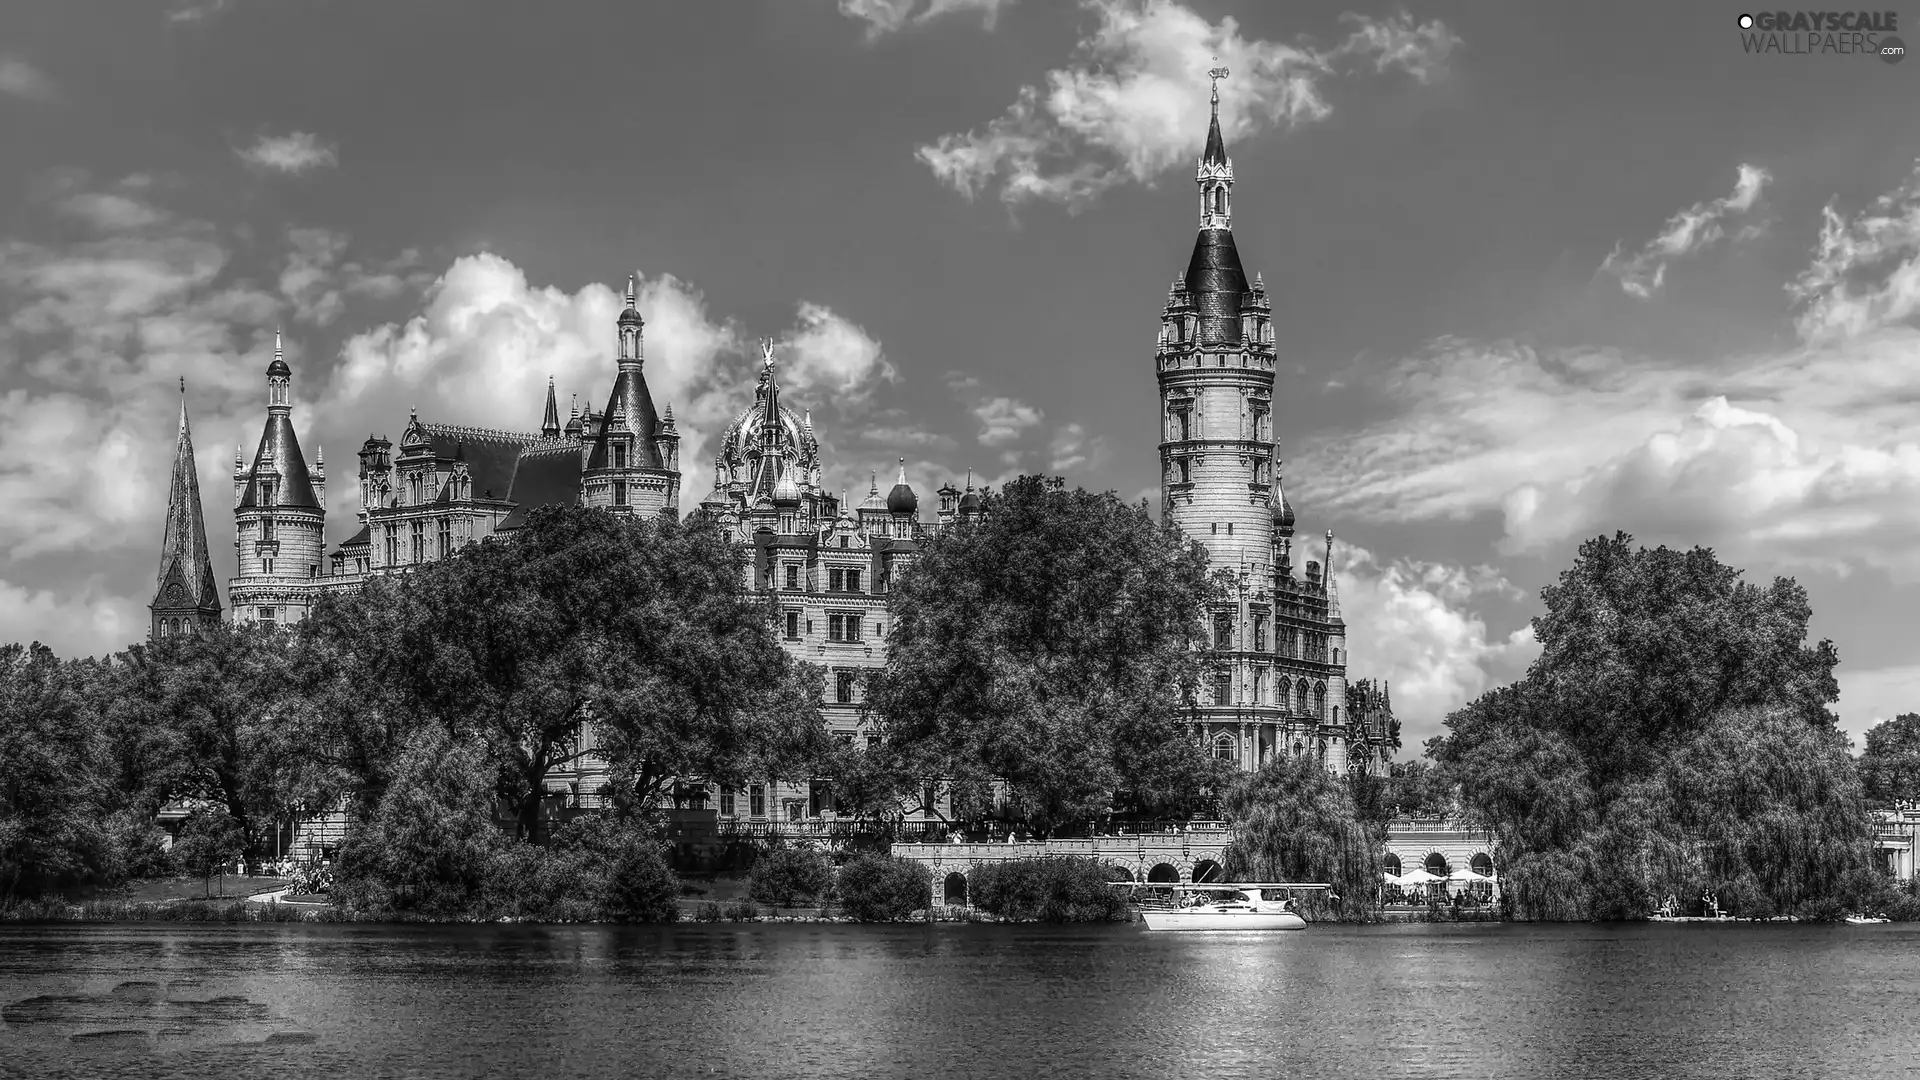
[1222,906]
[1863,920]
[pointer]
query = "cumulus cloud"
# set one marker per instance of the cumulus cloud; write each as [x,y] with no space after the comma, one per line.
[1871,695]
[1865,271]
[886,16]
[1421,627]
[294,153]
[23,80]
[1132,102]
[1809,457]
[1075,449]
[1004,420]
[1688,232]
[832,354]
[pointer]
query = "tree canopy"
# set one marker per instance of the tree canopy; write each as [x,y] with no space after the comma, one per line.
[1048,645]
[641,631]
[1673,737]
[1890,764]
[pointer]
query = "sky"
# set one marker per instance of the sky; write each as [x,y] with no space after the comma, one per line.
[1538,272]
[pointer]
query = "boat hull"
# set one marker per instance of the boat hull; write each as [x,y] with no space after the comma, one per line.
[1223,920]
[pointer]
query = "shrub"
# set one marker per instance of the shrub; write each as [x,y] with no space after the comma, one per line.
[640,886]
[882,888]
[430,846]
[789,877]
[1049,889]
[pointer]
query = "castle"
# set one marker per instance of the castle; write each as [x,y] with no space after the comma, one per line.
[826,566]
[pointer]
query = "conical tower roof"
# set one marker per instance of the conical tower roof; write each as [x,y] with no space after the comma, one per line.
[185,581]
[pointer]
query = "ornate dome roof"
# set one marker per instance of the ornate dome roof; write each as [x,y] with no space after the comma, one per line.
[902,500]
[1283,514]
[785,491]
[970,502]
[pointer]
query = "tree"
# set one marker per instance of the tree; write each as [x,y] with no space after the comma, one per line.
[881,888]
[1890,765]
[50,798]
[1647,750]
[1295,821]
[217,693]
[785,877]
[210,841]
[430,847]
[641,630]
[1048,646]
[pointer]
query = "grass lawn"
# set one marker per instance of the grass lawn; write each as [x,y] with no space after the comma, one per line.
[228,887]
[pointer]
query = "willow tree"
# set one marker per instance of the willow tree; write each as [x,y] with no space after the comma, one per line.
[1673,733]
[1890,764]
[1295,821]
[1047,646]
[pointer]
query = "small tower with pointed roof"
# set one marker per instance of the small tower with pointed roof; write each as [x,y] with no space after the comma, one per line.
[550,421]
[186,598]
[280,516]
[633,460]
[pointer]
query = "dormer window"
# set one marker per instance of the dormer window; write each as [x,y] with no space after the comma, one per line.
[619,455]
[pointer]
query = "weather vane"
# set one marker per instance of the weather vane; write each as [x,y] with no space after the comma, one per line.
[1218,72]
[766,352]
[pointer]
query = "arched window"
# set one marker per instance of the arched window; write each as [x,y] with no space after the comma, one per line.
[1283,692]
[1219,200]
[1302,695]
[1320,701]
[1437,865]
[1223,747]
[1392,864]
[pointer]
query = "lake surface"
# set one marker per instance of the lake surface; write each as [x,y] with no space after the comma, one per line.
[957,1001]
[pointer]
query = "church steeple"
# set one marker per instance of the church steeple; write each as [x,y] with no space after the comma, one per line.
[186,597]
[550,423]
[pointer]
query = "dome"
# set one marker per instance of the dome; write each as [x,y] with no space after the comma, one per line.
[279,369]
[630,317]
[785,491]
[717,499]
[970,502]
[1283,514]
[902,500]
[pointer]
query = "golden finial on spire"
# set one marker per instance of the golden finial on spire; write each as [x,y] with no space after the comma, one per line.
[1216,73]
[276,343]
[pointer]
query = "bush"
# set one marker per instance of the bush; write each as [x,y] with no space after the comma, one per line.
[1056,889]
[640,886]
[789,877]
[430,847]
[881,888]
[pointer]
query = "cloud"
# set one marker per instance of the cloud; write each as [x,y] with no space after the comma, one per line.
[319,282]
[886,16]
[1003,420]
[23,80]
[294,153]
[1416,625]
[1132,102]
[1865,272]
[1809,457]
[1871,695]
[194,12]
[833,355]
[1074,449]
[1688,232]
[69,621]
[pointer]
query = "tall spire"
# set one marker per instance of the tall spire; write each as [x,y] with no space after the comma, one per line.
[186,595]
[1216,152]
[550,423]
[1333,591]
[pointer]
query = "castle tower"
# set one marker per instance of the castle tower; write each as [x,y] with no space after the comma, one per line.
[1275,688]
[279,517]
[633,465]
[186,598]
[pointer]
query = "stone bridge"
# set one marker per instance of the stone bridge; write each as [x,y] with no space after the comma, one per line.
[1168,857]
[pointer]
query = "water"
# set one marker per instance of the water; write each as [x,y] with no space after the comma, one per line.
[957,1001]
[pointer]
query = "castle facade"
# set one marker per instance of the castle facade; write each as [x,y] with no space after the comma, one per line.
[825,565]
